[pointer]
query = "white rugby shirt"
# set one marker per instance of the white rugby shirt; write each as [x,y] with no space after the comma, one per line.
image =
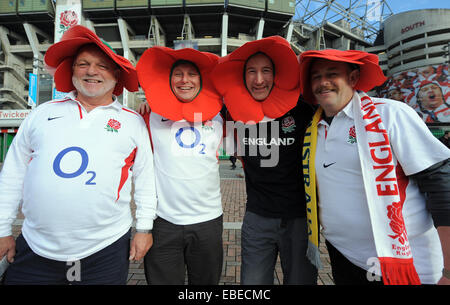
[187,168]
[73,171]
[344,214]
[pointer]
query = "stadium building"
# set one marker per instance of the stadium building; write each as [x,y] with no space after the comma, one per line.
[407,42]
[413,48]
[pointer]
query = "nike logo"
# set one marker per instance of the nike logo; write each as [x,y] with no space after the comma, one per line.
[326,165]
[56,117]
[164,120]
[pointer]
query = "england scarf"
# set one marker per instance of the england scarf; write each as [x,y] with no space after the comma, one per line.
[384,194]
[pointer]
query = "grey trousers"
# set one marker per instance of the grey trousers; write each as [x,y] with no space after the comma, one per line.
[263,239]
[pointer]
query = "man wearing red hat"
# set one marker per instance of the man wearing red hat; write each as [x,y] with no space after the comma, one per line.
[259,83]
[368,175]
[186,130]
[71,164]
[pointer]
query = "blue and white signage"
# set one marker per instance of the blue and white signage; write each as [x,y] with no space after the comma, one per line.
[32,90]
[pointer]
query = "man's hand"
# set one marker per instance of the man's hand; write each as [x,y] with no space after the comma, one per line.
[143,108]
[444,281]
[8,247]
[140,244]
[444,236]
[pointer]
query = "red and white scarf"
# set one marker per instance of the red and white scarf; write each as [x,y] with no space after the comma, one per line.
[383,191]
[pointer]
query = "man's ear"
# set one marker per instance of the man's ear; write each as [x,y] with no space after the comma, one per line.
[354,77]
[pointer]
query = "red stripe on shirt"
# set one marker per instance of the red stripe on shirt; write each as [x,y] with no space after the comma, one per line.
[135,113]
[62,101]
[81,112]
[402,181]
[146,117]
[442,110]
[129,161]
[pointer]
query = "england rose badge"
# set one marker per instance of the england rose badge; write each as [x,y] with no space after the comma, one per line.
[113,125]
[288,124]
[352,135]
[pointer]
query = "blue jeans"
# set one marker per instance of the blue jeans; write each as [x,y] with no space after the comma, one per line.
[263,239]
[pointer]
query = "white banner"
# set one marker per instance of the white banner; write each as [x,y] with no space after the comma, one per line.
[68,13]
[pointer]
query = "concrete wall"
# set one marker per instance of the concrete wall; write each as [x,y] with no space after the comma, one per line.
[416,38]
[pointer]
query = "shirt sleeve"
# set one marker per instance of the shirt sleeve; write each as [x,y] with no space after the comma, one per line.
[435,183]
[12,176]
[413,144]
[144,180]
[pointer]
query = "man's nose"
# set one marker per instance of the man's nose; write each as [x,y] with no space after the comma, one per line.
[92,69]
[324,81]
[259,77]
[184,77]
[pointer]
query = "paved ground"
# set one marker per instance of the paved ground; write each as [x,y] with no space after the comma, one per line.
[233,200]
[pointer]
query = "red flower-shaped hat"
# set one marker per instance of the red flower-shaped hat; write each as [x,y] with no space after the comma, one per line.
[371,74]
[60,56]
[228,77]
[154,68]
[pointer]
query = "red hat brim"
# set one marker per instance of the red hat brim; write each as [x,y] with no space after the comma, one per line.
[64,51]
[153,69]
[228,80]
[371,74]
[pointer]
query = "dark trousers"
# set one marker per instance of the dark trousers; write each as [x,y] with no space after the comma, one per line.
[108,266]
[197,248]
[263,239]
[345,272]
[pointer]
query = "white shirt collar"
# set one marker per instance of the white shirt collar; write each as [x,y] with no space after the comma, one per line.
[115,104]
[347,110]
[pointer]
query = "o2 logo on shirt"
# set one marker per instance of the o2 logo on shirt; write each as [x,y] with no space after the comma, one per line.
[194,143]
[79,171]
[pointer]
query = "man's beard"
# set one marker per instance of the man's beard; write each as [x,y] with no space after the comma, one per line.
[107,86]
